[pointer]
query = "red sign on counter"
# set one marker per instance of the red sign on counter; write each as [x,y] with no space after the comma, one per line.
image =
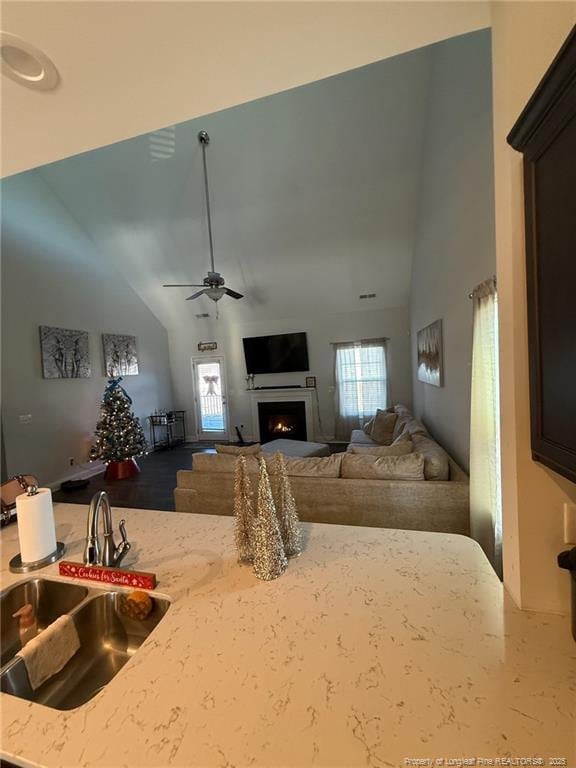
[117,576]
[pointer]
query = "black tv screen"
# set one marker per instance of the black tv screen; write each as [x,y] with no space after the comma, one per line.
[282,353]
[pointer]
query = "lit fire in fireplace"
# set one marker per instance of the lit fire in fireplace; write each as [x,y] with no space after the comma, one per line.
[281,427]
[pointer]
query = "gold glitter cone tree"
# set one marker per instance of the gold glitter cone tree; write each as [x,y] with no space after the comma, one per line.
[286,509]
[269,558]
[243,511]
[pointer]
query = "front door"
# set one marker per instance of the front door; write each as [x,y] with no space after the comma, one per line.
[210,396]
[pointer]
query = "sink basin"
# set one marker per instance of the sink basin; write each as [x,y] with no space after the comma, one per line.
[108,639]
[50,600]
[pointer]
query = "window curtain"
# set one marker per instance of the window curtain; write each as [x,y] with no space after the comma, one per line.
[360,373]
[485,488]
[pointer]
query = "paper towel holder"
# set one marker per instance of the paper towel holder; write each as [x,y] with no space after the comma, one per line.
[16,564]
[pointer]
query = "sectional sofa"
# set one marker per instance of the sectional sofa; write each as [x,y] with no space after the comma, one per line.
[323,495]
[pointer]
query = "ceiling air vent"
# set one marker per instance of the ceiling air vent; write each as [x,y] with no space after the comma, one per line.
[162,143]
[202,314]
[367,296]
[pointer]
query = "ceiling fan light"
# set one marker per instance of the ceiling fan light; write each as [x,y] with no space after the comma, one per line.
[215,293]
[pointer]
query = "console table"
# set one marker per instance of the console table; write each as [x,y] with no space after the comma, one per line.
[167,429]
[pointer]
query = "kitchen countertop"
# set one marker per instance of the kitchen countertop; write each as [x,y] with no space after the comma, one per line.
[374,648]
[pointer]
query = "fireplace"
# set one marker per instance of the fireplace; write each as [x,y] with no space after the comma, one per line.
[282,420]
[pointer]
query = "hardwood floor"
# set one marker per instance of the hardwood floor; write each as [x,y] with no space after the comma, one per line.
[153,488]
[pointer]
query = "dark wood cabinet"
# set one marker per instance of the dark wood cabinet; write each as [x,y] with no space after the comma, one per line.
[545,133]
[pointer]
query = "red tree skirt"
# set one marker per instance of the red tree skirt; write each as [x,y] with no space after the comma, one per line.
[121,470]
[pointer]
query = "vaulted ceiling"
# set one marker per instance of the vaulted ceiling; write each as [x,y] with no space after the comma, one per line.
[314,195]
[131,67]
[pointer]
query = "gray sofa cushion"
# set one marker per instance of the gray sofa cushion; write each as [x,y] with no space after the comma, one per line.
[359,437]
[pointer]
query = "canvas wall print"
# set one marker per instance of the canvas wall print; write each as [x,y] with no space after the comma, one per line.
[430,353]
[65,353]
[120,357]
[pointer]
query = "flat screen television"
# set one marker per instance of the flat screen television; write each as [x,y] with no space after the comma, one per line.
[282,353]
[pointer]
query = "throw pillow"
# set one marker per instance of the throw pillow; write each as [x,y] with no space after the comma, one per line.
[239,450]
[221,463]
[410,467]
[402,448]
[383,427]
[368,425]
[436,462]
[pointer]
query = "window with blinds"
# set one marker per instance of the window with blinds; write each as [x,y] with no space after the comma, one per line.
[361,378]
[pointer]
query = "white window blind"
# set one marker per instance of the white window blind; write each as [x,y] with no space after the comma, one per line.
[361,383]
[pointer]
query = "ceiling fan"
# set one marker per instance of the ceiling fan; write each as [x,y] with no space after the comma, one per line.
[213,284]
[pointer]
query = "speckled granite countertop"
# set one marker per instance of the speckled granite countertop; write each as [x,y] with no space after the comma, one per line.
[375,647]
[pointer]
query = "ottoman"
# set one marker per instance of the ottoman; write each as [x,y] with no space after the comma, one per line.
[296,448]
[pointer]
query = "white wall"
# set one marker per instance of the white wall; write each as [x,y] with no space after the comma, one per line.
[454,242]
[53,275]
[526,37]
[322,329]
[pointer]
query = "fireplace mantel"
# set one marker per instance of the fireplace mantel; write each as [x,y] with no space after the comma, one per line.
[307,395]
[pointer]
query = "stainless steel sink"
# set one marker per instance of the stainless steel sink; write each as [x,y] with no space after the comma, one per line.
[108,639]
[50,599]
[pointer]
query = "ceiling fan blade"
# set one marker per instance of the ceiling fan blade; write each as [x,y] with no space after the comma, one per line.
[183,285]
[234,294]
[195,295]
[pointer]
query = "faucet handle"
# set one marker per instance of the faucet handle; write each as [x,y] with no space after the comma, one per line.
[122,549]
[122,526]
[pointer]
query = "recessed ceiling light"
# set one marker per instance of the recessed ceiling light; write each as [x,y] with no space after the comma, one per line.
[26,64]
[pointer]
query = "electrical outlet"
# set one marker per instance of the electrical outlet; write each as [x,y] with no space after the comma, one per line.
[569,523]
[71,461]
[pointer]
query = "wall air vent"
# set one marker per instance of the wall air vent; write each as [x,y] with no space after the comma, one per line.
[367,296]
[162,143]
[202,314]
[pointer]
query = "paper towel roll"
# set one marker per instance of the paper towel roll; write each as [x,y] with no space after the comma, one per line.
[36,530]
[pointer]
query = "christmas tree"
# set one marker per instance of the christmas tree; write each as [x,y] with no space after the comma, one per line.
[119,434]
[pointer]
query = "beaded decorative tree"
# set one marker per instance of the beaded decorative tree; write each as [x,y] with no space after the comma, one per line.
[286,509]
[268,549]
[243,511]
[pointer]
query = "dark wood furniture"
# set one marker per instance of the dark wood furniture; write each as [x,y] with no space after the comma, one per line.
[545,133]
[167,429]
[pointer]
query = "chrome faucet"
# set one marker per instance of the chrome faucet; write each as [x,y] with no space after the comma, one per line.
[109,554]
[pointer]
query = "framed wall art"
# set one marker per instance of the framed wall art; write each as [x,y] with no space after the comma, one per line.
[430,354]
[120,354]
[65,353]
